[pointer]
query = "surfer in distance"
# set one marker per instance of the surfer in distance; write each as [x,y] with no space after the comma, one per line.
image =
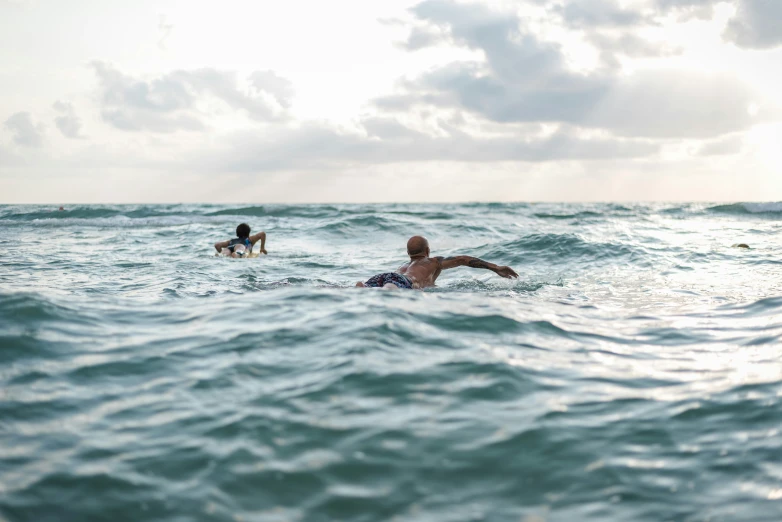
[242,245]
[422,271]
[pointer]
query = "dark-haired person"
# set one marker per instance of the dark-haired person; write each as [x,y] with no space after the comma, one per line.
[243,243]
[422,271]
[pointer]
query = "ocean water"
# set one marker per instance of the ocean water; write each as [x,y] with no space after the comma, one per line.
[633,372]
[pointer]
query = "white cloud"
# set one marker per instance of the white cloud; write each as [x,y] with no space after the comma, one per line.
[170,102]
[281,89]
[525,79]
[25,132]
[727,145]
[68,122]
[387,141]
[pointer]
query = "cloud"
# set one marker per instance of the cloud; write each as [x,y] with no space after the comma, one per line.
[724,146]
[25,132]
[629,44]
[6,156]
[597,13]
[757,24]
[687,9]
[385,140]
[524,79]
[673,104]
[161,105]
[171,102]
[421,37]
[68,123]
[686,4]
[281,89]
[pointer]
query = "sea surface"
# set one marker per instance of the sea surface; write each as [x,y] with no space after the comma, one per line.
[632,373]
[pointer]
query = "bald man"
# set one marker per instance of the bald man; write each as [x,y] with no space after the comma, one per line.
[422,270]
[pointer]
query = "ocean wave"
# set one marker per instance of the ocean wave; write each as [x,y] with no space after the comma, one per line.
[25,308]
[677,209]
[761,307]
[473,285]
[575,215]
[114,221]
[563,248]
[192,211]
[281,211]
[92,212]
[330,211]
[26,319]
[348,226]
[748,208]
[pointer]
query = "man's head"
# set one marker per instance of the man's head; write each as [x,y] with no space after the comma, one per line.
[418,246]
[243,231]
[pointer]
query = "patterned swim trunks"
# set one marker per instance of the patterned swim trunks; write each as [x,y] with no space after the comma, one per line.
[390,277]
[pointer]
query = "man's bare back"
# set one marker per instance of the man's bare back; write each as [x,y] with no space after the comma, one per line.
[422,271]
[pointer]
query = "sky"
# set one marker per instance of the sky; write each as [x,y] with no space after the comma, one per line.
[103,101]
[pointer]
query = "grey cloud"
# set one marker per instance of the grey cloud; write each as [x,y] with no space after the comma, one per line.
[510,53]
[223,85]
[757,24]
[134,105]
[388,141]
[68,122]
[598,13]
[613,29]
[722,147]
[165,94]
[687,9]
[168,103]
[526,80]
[673,4]
[610,27]
[25,132]
[127,120]
[421,37]
[387,128]
[612,48]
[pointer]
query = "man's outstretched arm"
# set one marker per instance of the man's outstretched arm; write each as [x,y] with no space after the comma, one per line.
[473,262]
[262,236]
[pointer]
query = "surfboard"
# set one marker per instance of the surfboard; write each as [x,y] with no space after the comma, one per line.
[251,256]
